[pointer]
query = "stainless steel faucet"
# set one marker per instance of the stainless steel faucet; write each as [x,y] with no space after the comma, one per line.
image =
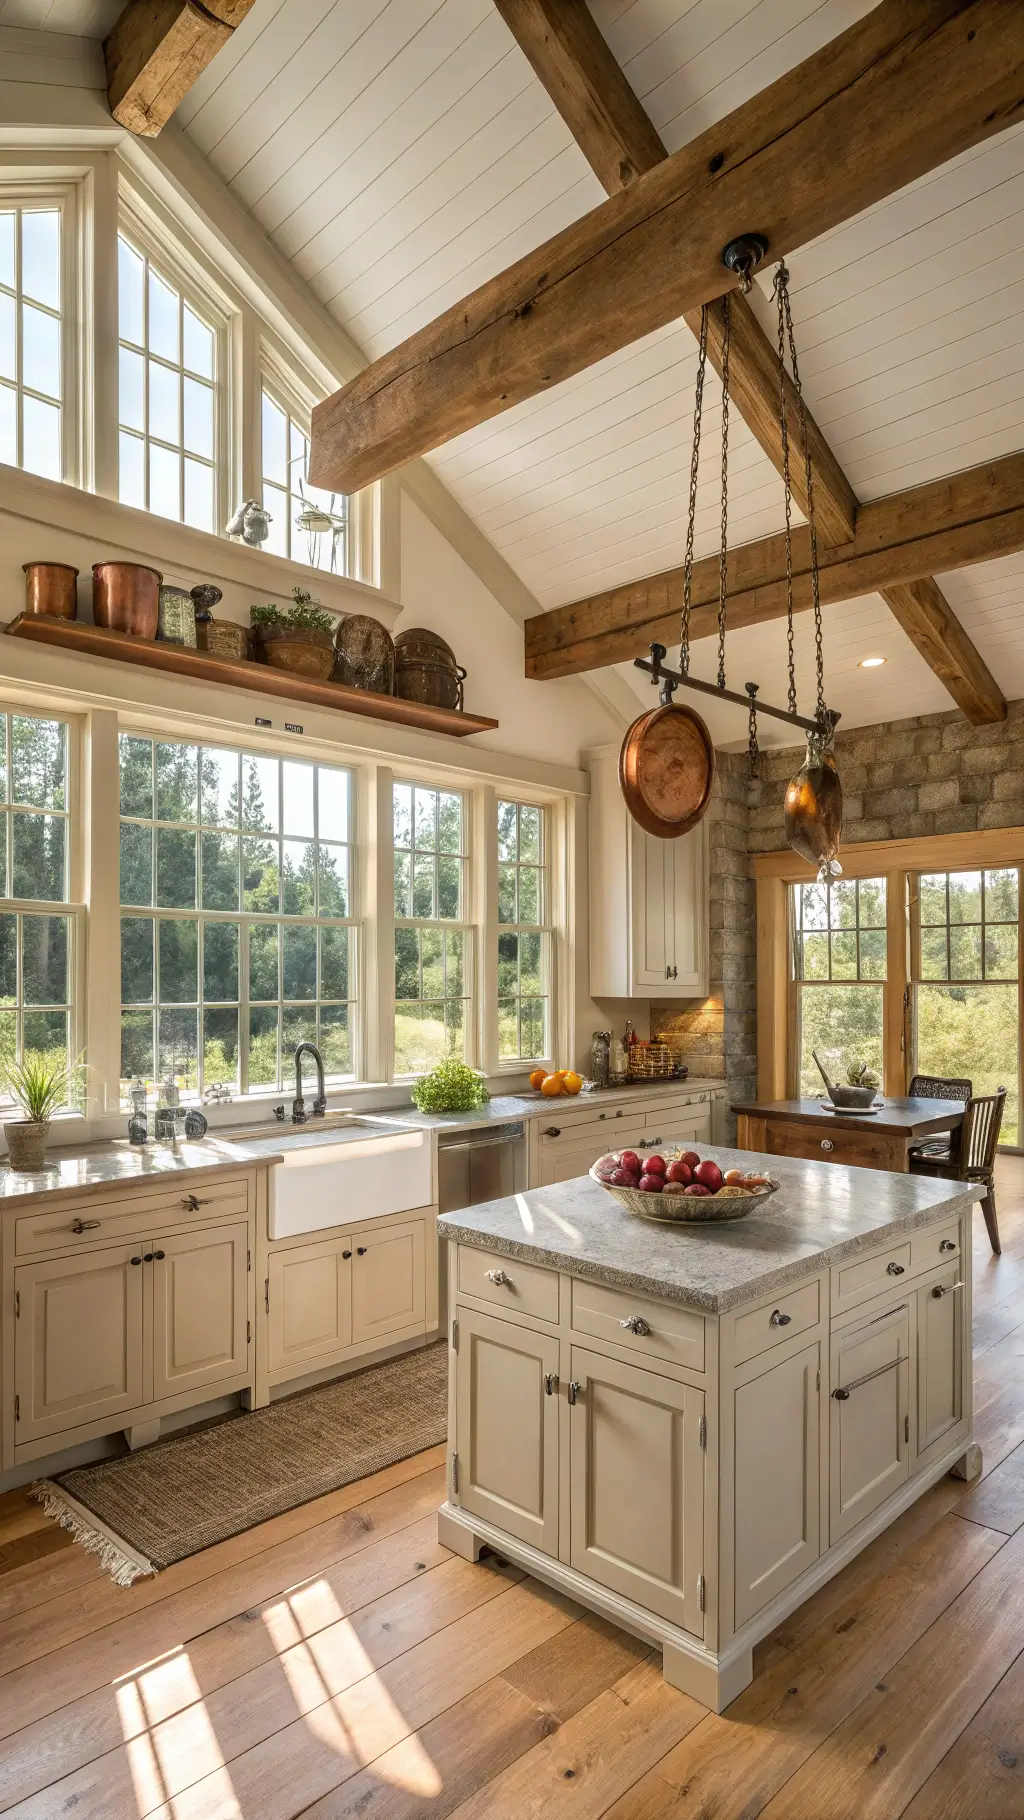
[299,1113]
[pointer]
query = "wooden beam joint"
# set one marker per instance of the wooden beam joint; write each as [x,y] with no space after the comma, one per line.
[156,51]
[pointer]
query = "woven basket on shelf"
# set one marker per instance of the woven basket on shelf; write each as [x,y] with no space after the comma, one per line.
[651,1062]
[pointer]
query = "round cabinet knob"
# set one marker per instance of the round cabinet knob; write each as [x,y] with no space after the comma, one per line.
[894,1270]
[147,1257]
[499,1277]
[827,1144]
[778,1319]
[135,1260]
[360,1251]
[948,1245]
[636,1324]
[346,1254]
[159,1255]
[553,1131]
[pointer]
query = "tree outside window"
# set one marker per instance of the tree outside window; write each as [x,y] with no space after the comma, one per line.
[524,996]
[37,934]
[431,940]
[965,936]
[839,966]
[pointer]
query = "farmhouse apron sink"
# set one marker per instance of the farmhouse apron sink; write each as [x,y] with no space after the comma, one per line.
[339,1169]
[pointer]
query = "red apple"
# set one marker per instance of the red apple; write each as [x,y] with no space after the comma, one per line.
[690,1156]
[696,1189]
[623,1179]
[710,1174]
[655,1165]
[629,1160]
[651,1184]
[679,1172]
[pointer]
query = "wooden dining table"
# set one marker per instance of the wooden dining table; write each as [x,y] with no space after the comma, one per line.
[880,1140]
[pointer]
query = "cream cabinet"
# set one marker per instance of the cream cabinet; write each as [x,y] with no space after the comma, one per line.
[940,1354]
[201,1324]
[79,1341]
[505,1465]
[388,1281]
[636,1485]
[567,1143]
[870,1418]
[648,899]
[776,1524]
[308,1304]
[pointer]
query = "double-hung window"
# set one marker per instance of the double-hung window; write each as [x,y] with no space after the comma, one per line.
[167,395]
[839,970]
[524,935]
[306,524]
[32,339]
[433,957]
[964,946]
[236,938]
[39,925]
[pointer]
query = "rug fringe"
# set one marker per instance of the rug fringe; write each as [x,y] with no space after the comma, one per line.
[123,1563]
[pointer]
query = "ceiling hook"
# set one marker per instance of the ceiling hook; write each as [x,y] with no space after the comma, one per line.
[743,256]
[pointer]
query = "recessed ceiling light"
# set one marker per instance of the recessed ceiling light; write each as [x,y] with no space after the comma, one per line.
[870,663]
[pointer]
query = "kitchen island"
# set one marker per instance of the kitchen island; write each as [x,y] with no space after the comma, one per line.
[689,1429]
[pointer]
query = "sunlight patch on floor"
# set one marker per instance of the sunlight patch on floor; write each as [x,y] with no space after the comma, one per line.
[156,1747]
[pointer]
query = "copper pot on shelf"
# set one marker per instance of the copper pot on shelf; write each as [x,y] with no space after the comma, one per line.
[426,670]
[51,589]
[126,598]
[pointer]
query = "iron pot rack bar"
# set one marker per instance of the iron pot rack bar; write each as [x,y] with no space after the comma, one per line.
[671,680]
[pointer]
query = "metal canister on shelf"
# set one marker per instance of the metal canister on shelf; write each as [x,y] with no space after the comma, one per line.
[426,670]
[177,623]
[600,1056]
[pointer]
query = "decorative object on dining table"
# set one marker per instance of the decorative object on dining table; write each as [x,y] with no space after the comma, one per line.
[126,598]
[680,1187]
[858,1094]
[426,670]
[364,654]
[40,1087]
[299,638]
[51,589]
[177,622]
[250,524]
[657,773]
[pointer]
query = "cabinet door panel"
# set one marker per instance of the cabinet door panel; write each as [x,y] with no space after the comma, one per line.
[776,1490]
[200,1296]
[506,1427]
[637,1486]
[389,1285]
[310,1297]
[939,1359]
[869,1420]
[78,1340]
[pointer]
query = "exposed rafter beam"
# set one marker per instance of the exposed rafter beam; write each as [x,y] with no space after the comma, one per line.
[909,86]
[155,52]
[933,628]
[947,524]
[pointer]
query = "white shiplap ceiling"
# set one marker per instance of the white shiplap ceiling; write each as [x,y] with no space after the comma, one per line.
[401,152]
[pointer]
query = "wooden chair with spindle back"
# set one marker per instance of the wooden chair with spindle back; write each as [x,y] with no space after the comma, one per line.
[975,1160]
[944,1149]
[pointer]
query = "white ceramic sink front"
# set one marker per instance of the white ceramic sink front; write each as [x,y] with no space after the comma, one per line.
[338,1173]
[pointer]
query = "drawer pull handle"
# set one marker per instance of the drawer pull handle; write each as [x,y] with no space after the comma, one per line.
[635,1323]
[500,1278]
[894,1270]
[938,1292]
[192,1202]
[842,1394]
[552,1131]
[777,1319]
[550,1383]
[948,1245]
[827,1144]
[135,1260]
[360,1251]
[575,1389]
[84,1225]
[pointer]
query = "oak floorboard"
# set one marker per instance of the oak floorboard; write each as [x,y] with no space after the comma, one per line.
[573,1668]
[982,1776]
[20,1515]
[997,1500]
[997,1321]
[876,1760]
[31,1585]
[50,1676]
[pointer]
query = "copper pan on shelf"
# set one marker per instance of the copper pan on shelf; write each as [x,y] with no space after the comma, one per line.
[667,770]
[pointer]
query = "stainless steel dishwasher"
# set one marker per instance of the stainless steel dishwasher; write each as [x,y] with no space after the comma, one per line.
[482,1164]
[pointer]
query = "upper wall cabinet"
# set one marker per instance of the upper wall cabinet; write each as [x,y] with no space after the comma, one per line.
[648,900]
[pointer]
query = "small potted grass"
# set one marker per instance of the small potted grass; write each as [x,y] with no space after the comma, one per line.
[39,1085]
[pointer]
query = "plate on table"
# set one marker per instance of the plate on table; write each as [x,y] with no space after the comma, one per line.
[853,1112]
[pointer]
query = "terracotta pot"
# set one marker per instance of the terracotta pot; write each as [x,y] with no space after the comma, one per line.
[299,649]
[50,589]
[126,598]
[26,1144]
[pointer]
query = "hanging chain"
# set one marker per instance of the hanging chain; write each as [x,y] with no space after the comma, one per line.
[787,486]
[752,747]
[782,280]
[723,552]
[698,405]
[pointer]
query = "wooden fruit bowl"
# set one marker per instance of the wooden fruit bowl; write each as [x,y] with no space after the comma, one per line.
[685,1209]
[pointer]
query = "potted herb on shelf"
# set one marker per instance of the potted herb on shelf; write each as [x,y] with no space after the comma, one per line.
[38,1086]
[298,638]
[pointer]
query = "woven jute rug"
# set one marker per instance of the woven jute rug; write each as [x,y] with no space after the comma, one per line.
[146,1510]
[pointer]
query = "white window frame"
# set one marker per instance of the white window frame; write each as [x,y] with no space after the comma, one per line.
[545,929]
[47,192]
[284,390]
[466,924]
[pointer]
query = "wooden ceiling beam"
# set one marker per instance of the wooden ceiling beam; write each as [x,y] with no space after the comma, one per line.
[910,85]
[155,52]
[966,518]
[933,628]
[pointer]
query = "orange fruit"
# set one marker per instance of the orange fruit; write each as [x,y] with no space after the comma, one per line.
[551,1085]
[537,1079]
[573,1081]
[560,1073]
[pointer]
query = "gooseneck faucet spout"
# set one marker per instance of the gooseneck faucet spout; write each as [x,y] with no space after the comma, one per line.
[299,1113]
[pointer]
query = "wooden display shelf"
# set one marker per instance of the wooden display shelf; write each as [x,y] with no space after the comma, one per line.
[260,679]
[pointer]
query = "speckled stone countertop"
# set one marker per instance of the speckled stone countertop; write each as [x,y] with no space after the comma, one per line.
[505,1107]
[823,1214]
[118,1164]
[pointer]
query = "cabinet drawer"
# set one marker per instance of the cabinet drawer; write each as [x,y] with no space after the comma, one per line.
[92,1220]
[508,1283]
[790,1313]
[852,1283]
[868,1149]
[936,1245]
[661,1330]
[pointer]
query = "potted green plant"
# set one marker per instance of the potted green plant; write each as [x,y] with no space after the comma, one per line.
[299,638]
[450,1087]
[39,1086]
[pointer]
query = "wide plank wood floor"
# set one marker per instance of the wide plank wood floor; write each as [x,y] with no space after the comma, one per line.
[338,1663]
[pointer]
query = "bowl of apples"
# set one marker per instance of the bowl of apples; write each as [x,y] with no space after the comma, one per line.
[681,1187]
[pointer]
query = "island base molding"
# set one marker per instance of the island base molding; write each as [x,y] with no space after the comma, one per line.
[715,1679]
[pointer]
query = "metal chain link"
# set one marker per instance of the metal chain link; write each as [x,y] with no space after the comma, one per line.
[753,752]
[783,278]
[780,276]
[723,551]
[698,405]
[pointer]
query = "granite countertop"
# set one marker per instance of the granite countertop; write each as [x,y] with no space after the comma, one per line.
[821,1215]
[117,1163]
[505,1107]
